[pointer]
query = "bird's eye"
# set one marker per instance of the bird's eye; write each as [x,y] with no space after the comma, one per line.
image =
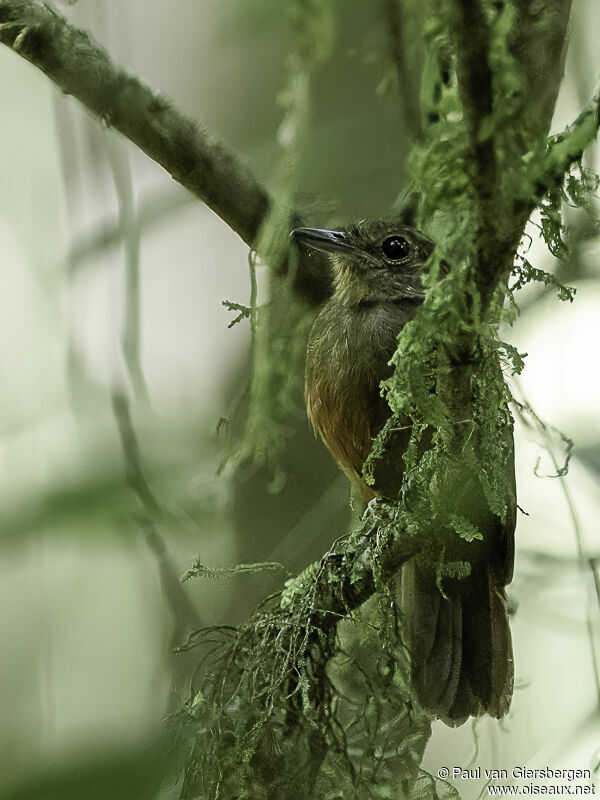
[395,248]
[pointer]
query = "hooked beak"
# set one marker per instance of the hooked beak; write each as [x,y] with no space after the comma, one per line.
[323,240]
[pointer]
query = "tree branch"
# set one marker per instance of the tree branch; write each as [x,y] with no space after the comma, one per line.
[81,68]
[537,42]
[351,580]
[195,159]
[567,147]
[472,38]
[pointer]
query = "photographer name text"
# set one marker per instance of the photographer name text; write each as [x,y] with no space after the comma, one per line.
[517,773]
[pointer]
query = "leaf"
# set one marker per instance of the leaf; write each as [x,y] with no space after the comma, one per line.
[465,529]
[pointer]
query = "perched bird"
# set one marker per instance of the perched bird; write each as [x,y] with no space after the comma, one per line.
[459,639]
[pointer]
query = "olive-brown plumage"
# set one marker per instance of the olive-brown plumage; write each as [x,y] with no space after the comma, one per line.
[460,642]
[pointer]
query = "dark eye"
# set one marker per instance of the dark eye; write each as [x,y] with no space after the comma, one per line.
[395,248]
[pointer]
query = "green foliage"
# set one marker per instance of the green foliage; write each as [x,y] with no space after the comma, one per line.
[244,312]
[465,529]
[566,182]
[577,188]
[513,360]
[525,273]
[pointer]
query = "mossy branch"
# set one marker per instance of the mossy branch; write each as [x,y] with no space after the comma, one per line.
[472,39]
[535,40]
[359,564]
[567,147]
[294,697]
[80,67]
[537,43]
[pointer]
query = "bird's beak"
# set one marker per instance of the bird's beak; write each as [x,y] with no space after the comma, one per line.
[325,241]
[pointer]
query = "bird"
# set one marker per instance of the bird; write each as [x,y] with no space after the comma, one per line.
[458,635]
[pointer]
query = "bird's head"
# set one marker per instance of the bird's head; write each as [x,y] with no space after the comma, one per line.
[374,261]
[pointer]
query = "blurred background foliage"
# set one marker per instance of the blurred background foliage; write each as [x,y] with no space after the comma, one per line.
[87,673]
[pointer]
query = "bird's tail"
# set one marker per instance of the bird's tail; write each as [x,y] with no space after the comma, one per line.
[459,643]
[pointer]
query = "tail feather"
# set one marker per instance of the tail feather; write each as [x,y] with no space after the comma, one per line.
[450,651]
[460,644]
[438,674]
[502,652]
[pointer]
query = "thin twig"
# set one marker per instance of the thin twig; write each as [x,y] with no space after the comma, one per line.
[153,210]
[253,294]
[182,609]
[584,561]
[129,224]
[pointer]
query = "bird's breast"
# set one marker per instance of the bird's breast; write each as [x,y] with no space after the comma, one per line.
[348,356]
